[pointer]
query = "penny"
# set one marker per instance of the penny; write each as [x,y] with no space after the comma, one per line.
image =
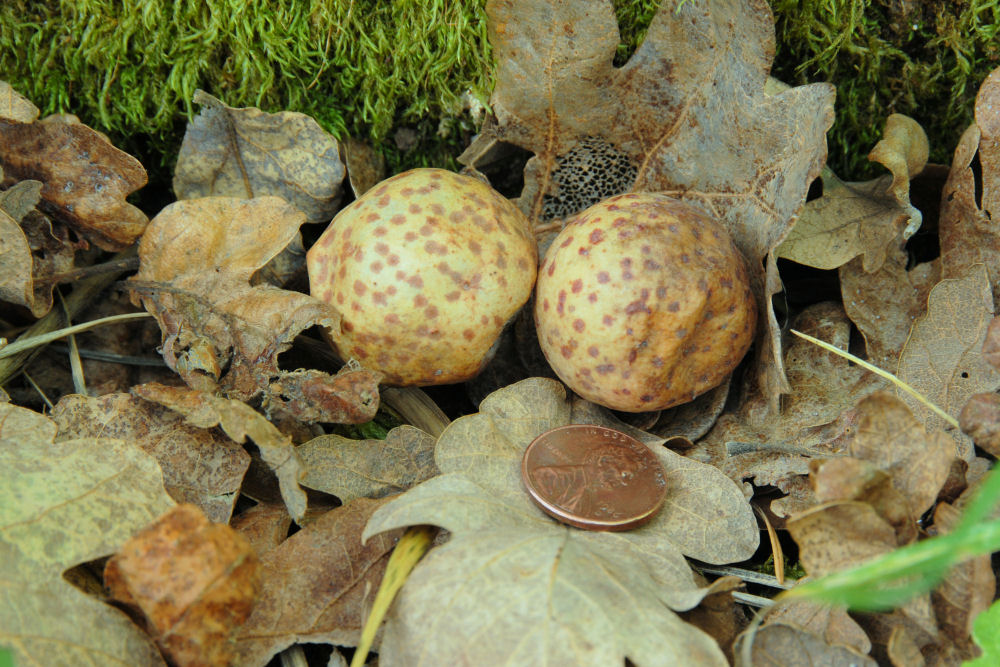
[594,477]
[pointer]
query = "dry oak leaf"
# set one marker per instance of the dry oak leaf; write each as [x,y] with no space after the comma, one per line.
[85,179]
[863,219]
[248,153]
[238,421]
[352,469]
[193,582]
[970,202]
[318,585]
[200,466]
[14,106]
[63,504]
[196,262]
[686,116]
[917,459]
[513,586]
[942,358]
[883,304]
[816,418]
[786,644]
[833,624]
[265,525]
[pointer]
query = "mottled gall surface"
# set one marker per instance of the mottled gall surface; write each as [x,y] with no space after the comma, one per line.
[643,302]
[426,268]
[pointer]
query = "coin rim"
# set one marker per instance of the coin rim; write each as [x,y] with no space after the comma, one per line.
[575,520]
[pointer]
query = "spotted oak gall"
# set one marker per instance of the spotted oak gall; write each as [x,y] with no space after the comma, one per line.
[643,302]
[425,268]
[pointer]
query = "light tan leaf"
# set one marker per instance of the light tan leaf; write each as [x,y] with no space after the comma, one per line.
[14,106]
[352,469]
[318,585]
[248,153]
[85,179]
[192,581]
[548,583]
[833,624]
[62,505]
[942,357]
[196,262]
[239,421]
[199,466]
[835,536]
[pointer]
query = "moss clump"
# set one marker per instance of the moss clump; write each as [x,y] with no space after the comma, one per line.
[360,67]
[927,63]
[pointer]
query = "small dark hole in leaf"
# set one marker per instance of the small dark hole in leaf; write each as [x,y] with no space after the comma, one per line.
[965,375]
[506,174]
[977,176]
[815,190]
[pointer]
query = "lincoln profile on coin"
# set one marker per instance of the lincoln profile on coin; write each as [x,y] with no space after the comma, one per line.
[579,487]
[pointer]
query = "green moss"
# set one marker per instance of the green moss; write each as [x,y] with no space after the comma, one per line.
[369,67]
[927,65]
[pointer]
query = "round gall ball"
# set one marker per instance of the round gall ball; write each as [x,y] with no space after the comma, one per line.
[426,268]
[643,303]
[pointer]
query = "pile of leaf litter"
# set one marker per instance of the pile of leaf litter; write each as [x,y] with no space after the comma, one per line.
[176,480]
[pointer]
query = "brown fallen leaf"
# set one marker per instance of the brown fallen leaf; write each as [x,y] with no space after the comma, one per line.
[781,644]
[965,592]
[917,459]
[265,526]
[991,346]
[365,166]
[239,421]
[352,469]
[883,304]
[863,219]
[969,202]
[693,89]
[980,420]
[248,153]
[835,536]
[317,585]
[197,259]
[549,586]
[31,249]
[62,505]
[192,581]
[816,418]
[834,625]
[200,467]
[14,106]
[942,358]
[85,179]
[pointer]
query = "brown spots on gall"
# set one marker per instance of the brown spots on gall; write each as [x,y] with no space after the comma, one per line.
[577,286]
[604,369]
[475,247]
[381,248]
[453,296]
[360,288]
[431,312]
[561,304]
[579,325]
[468,334]
[566,351]
[603,277]
[376,266]
[551,269]
[596,236]
[435,248]
[592,297]
[608,320]
[566,242]
[674,306]
[415,281]
[398,219]
[415,209]
[379,298]
[392,260]
[420,301]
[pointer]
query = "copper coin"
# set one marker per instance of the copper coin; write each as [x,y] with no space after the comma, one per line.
[594,477]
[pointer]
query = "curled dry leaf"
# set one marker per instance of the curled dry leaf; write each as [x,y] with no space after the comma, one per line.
[14,106]
[889,436]
[352,469]
[265,525]
[55,504]
[317,585]
[991,346]
[196,262]
[548,583]
[848,478]
[193,582]
[970,202]
[833,624]
[863,219]
[943,358]
[200,467]
[248,153]
[883,304]
[85,179]
[980,420]
[239,421]
[694,87]
[834,536]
